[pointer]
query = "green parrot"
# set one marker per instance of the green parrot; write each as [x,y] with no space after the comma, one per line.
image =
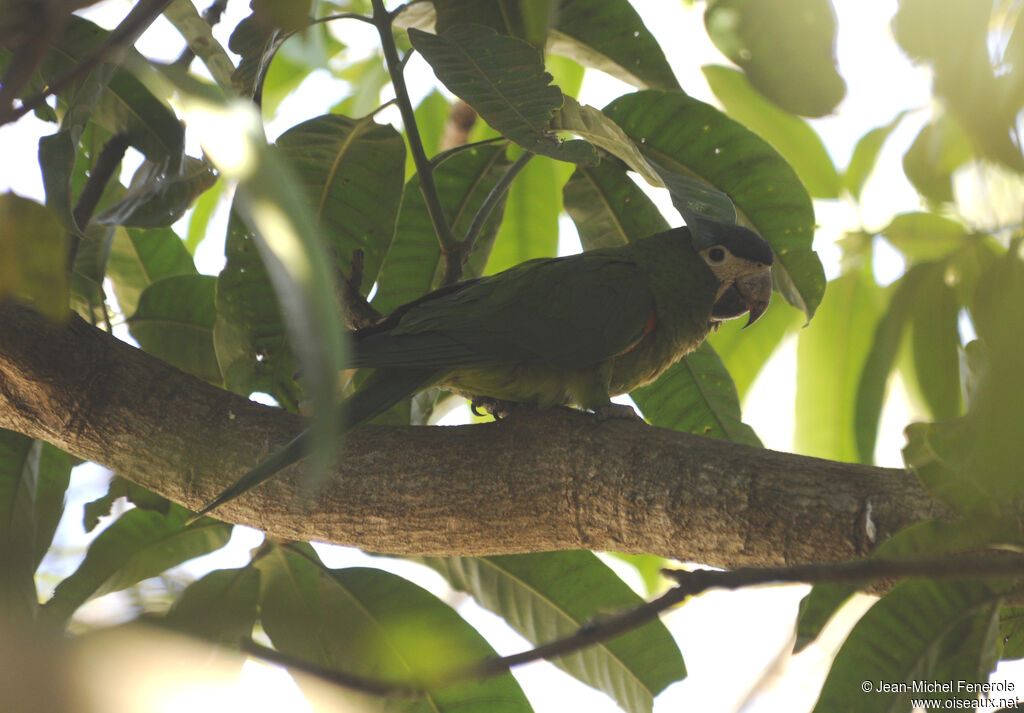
[552,331]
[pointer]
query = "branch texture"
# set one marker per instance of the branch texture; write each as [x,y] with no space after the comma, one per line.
[538,481]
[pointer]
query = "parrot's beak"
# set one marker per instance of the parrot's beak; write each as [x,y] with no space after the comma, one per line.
[747,295]
[756,291]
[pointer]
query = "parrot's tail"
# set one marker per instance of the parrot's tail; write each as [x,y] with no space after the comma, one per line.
[383,389]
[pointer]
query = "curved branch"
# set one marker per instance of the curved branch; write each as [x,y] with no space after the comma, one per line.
[549,480]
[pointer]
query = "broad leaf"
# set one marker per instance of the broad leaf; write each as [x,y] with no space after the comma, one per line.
[221,606]
[546,596]
[940,455]
[608,208]
[174,321]
[156,198]
[690,138]
[33,252]
[939,149]
[529,225]
[138,545]
[372,623]
[935,345]
[791,136]
[503,78]
[112,97]
[350,171]
[865,155]
[785,47]
[925,236]
[697,396]
[609,35]
[413,266]
[954,38]
[831,354]
[745,351]
[905,296]
[929,538]
[138,258]
[921,631]
[19,482]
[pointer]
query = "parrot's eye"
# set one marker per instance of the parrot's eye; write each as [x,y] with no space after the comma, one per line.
[716,255]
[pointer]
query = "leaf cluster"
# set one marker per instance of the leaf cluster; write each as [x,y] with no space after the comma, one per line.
[344,217]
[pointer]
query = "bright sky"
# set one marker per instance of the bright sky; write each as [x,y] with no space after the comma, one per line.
[727,638]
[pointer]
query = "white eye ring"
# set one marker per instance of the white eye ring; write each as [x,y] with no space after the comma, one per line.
[716,255]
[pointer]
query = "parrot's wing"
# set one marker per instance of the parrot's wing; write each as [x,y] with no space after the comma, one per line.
[569,312]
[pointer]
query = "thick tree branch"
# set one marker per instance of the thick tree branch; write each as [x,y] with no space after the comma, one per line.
[544,481]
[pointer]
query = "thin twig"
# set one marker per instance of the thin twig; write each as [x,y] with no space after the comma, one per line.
[137,20]
[107,163]
[449,245]
[212,16]
[492,200]
[689,584]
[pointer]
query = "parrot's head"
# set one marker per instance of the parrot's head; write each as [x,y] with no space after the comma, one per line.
[741,261]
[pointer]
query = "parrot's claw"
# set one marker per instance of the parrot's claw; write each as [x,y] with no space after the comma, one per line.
[483,405]
[617,411]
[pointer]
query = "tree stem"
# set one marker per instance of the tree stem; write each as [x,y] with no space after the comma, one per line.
[450,247]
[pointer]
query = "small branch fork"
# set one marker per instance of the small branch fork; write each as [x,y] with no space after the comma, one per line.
[688,584]
[455,252]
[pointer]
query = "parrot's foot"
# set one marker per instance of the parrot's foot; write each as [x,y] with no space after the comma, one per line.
[497,408]
[617,411]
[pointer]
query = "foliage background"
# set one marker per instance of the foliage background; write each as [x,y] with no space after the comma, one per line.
[981,192]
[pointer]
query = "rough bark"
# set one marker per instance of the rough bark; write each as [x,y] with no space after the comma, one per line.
[540,481]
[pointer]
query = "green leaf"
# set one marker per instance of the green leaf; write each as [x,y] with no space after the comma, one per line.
[503,78]
[156,198]
[413,266]
[831,354]
[906,295]
[112,97]
[256,43]
[221,606]
[202,211]
[121,488]
[281,228]
[139,258]
[935,345]
[19,482]
[921,631]
[745,351]
[174,321]
[608,208]
[998,405]
[33,256]
[598,129]
[929,538]
[697,396]
[690,138]
[249,334]
[940,455]
[609,35]
[865,155]
[954,38]
[350,171]
[51,492]
[791,136]
[545,596]
[529,226]
[785,47]
[138,545]
[940,148]
[925,236]
[372,623]
[1011,631]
